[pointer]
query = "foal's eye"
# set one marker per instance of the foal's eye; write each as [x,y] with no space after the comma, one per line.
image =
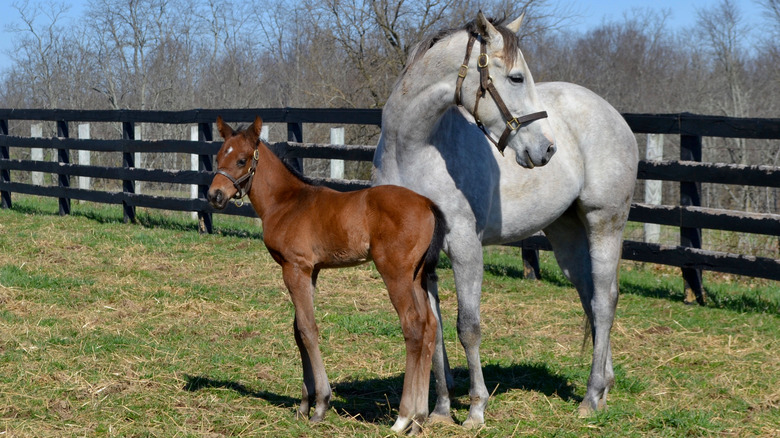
[241,162]
[517,78]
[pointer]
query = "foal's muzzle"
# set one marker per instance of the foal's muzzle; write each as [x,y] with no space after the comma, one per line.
[217,198]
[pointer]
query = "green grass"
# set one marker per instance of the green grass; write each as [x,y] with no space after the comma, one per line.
[151,329]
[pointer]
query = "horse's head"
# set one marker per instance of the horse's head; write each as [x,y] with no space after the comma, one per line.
[236,163]
[499,91]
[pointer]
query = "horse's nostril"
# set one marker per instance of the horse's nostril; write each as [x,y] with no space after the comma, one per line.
[215,196]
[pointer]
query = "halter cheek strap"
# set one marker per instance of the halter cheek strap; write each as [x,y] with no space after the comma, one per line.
[238,183]
[486,86]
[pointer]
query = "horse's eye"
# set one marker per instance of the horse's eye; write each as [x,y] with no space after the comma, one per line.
[241,162]
[517,78]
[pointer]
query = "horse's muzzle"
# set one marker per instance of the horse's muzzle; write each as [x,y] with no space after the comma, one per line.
[217,199]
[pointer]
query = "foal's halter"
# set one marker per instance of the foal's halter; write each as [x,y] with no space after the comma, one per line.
[247,177]
[486,85]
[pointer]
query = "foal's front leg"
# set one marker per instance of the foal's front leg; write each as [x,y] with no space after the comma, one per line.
[300,282]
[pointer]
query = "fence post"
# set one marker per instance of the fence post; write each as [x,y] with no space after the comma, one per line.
[36,154]
[205,164]
[531,270]
[653,188]
[337,166]
[5,174]
[139,159]
[85,182]
[63,157]
[295,133]
[194,166]
[128,162]
[690,195]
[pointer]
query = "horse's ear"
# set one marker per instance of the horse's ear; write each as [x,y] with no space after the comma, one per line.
[224,130]
[257,126]
[515,25]
[486,29]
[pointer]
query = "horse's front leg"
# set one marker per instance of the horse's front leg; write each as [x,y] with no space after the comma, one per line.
[300,283]
[465,251]
[444,382]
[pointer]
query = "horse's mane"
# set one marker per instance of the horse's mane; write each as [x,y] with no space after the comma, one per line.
[303,178]
[241,129]
[510,41]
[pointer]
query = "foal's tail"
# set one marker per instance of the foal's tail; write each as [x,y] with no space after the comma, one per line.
[431,258]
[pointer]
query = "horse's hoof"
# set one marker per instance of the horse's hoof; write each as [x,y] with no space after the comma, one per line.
[473,424]
[585,410]
[301,416]
[435,418]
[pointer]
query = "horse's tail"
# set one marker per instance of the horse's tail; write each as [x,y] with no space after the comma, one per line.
[431,257]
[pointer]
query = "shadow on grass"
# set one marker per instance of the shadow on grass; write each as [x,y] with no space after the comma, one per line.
[376,400]
[146,219]
[758,300]
[196,383]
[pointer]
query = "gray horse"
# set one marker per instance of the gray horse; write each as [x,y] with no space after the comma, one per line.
[569,169]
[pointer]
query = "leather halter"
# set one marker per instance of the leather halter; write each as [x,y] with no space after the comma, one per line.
[247,177]
[486,86]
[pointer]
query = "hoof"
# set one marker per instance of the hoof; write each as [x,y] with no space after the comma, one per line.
[404,425]
[301,416]
[316,418]
[435,418]
[472,424]
[585,410]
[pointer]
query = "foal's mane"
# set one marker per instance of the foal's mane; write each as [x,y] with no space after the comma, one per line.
[510,42]
[242,130]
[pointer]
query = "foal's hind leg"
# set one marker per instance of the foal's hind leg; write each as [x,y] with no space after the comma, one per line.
[300,283]
[418,323]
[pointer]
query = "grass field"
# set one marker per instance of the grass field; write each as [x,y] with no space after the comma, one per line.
[109,329]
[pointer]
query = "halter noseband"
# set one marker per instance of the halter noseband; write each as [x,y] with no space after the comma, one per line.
[248,177]
[486,85]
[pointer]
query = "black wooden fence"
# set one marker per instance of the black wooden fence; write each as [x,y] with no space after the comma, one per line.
[690,172]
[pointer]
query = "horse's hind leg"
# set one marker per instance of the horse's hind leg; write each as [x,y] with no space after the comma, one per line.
[606,244]
[418,323]
[300,283]
[589,255]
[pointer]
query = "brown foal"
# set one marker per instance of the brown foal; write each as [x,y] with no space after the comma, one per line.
[307,228]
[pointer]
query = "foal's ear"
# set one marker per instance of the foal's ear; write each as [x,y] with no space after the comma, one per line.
[224,130]
[257,126]
[515,25]
[486,29]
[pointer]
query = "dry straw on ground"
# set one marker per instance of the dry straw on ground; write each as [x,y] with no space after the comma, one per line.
[109,329]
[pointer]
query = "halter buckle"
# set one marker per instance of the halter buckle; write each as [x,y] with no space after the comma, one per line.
[463,70]
[513,124]
[482,60]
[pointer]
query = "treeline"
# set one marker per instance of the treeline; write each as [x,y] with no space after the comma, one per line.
[182,54]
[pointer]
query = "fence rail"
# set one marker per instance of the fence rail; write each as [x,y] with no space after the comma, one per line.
[690,172]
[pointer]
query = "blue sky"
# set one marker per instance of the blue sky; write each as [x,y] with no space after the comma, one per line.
[590,13]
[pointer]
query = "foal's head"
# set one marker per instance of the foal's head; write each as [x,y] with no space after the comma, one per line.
[236,163]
